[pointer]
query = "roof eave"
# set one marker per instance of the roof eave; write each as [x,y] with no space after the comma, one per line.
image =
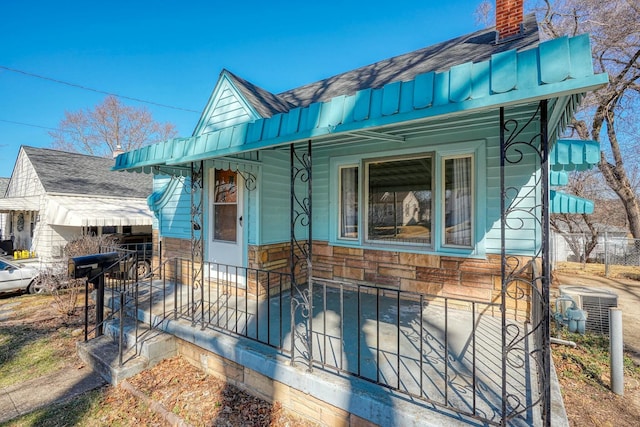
[559,69]
[527,96]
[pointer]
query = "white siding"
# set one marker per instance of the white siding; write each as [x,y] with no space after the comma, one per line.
[24,180]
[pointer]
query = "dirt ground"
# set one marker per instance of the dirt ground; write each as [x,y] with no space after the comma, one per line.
[628,291]
[199,399]
[585,380]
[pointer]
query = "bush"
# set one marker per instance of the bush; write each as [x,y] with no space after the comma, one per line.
[56,280]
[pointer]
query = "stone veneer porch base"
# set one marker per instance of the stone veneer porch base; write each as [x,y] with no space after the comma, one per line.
[435,275]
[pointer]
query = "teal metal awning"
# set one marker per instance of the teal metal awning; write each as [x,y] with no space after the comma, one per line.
[558,178]
[574,155]
[561,203]
[560,68]
[570,155]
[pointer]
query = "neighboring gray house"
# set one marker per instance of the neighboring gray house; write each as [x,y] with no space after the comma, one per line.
[53,197]
[4,183]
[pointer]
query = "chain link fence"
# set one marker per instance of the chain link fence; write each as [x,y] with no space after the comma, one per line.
[612,251]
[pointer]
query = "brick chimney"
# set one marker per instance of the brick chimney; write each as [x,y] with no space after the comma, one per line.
[509,17]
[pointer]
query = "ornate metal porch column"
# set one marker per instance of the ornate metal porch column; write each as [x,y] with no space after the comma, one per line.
[525,209]
[300,257]
[197,250]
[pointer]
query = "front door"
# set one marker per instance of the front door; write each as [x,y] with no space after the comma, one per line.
[226,243]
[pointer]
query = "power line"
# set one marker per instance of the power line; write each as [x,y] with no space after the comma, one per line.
[27,124]
[95,90]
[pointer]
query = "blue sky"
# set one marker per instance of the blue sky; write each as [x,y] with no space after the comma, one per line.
[172,52]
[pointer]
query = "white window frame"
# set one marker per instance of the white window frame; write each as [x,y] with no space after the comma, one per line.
[472,214]
[364,189]
[439,152]
[359,191]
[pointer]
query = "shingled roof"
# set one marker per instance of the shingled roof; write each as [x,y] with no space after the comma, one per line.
[74,173]
[475,47]
[4,183]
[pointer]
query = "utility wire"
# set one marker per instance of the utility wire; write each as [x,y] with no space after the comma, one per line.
[34,126]
[94,90]
[28,124]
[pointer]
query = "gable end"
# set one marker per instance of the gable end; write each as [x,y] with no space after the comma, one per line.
[227,107]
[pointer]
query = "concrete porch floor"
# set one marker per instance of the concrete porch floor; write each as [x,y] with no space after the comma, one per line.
[392,361]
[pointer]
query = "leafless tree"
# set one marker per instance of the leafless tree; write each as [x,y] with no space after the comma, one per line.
[582,231]
[484,13]
[609,114]
[109,125]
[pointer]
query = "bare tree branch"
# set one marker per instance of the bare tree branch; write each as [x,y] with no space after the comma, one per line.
[614,27]
[100,131]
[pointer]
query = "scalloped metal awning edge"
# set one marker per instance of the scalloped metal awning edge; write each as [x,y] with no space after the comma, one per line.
[561,203]
[557,68]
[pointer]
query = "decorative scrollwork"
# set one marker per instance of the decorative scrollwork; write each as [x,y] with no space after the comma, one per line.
[197,252]
[301,304]
[524,210]
[301,263]
[250,180]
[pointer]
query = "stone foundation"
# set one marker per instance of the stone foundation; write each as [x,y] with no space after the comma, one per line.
[303,404]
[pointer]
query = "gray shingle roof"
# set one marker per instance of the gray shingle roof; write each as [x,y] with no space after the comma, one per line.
[475,47]
[265,103]
[73,173]
[4,183]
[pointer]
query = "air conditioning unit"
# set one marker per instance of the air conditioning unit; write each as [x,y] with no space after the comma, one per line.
[596,302]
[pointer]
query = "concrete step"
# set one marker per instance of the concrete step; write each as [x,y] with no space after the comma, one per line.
[102,353]
[152,344]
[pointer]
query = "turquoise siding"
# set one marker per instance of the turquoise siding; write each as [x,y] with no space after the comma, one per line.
[226,108]
[228,111]
[174,215]
[523,240]
[275,197]
[267,207]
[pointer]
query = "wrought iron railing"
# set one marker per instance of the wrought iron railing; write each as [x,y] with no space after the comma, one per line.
[444,351]
[115,288]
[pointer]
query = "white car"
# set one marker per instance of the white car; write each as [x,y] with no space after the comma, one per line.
[15,276]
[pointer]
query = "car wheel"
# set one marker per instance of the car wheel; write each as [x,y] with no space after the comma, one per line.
[37,286]
[143,268]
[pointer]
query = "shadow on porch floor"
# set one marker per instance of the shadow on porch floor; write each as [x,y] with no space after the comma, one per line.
[389,360]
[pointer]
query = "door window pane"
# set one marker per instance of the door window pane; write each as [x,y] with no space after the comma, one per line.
[225,206]
[225,222]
